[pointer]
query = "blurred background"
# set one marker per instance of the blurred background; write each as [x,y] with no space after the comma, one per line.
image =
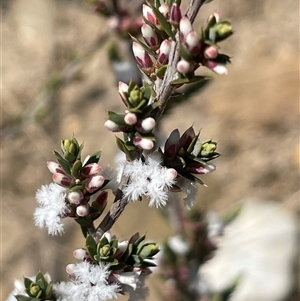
[57,81]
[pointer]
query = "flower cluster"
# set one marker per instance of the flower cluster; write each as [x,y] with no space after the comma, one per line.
[202,49]
[188,155]
[70,194]
[148,178]
[125,261]
[137,123]
[123,23]
[162,23]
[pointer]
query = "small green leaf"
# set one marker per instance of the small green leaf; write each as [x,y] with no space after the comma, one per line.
[91,246]
[66,166]
[161,71]
[117,118]
[76,168]
[185,80]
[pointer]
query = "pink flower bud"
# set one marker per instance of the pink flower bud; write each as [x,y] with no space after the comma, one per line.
[61,179]
[143,143]
[192,41]
[70,268]
[150,36]
[164,9]
[55,168]
[185,26]
[111,126]
[148,124]
[94,183]
[123,88]
[149,15]
[83,210]
[175,14]
[164,51]
[142,57]
[217,67]
[184,67]
[75,197]
[90,169]
[81,254]
[122,247]
[217,16]
[197,168]
[130,118]
[210,52]
[171,173]
[48,277]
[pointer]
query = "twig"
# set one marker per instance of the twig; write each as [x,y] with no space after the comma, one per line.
[163,95]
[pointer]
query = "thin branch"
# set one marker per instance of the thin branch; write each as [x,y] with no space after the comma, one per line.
[164,92]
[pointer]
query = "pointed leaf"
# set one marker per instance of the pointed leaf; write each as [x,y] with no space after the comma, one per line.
[94,158]
[63,163]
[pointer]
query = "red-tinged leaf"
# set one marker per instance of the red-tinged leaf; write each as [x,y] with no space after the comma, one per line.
[187,137]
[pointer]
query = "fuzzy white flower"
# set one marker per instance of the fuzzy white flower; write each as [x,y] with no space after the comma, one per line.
[148,178]
[51,199]
[90,283]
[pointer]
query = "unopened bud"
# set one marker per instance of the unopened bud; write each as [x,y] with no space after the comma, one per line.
[123,88]
[192,41]
[185,26]
[122,247]
[94,183]
[164,51]
[90,169]
[165,9]
[150,36]
[75,197]
[210,52]
[70,268]
[61,179]
[217,68]
[83,210]
[217,16]
[54,167]
[34,290]
[175,15]
[198,168]
[143,143]
[149,15]
[111,126]
[142,57]
[184,67]
[81,254]
[130,118]
[48,277]
[148,124]
[171,173]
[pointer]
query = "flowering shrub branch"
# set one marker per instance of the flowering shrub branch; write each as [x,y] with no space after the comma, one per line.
[168,56]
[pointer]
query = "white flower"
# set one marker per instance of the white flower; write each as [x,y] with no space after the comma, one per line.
[51,199]
[90,284]
[178,245]
[148,178]
[258,249]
